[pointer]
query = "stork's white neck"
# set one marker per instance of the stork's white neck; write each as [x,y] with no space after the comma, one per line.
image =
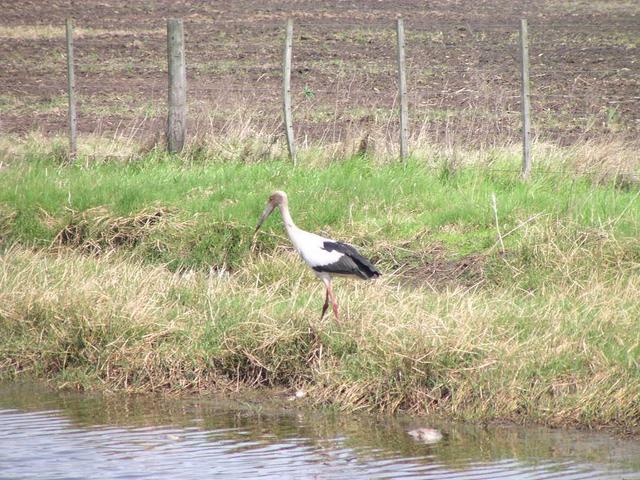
[286,218]
[295,234]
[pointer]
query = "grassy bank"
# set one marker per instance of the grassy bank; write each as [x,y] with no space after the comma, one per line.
[141,275]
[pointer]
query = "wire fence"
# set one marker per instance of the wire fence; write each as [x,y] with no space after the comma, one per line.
[463,80]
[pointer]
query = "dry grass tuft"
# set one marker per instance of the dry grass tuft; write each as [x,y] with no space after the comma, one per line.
[97,231]
[7,217]
[41,32]
[116,323]
[606,162]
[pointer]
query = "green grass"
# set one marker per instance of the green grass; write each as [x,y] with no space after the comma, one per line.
[355,199]
[141,275]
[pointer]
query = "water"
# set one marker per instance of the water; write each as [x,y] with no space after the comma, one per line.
[49,435]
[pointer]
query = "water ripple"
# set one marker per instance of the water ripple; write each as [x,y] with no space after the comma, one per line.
[74,442]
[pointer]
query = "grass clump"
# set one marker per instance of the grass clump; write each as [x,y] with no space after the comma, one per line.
[565,353]
[142,275]
[201,215]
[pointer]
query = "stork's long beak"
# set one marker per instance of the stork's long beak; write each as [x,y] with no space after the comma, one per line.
[267,211]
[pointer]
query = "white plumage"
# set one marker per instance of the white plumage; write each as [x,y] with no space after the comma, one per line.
[325,256]
[310,247]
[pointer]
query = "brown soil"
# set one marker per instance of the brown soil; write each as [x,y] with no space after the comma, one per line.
[462,65]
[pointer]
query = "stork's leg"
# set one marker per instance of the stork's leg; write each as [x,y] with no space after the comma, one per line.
[333,301]
[329,296]
[326,304]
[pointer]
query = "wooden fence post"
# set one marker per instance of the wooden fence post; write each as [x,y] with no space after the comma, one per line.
[286,91]
[526,105]
[402,84]
[177,118]
[71,86]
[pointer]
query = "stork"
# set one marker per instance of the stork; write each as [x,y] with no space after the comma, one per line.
[325,256]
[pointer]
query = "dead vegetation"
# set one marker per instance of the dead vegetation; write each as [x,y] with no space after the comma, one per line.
[440,271]
[606,162]
[433,266]
[97,231]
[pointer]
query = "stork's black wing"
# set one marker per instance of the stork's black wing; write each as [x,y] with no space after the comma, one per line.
[350,263]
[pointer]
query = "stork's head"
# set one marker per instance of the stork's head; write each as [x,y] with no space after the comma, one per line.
[276,199]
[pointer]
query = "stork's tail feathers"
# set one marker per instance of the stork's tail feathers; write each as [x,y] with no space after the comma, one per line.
[366,268]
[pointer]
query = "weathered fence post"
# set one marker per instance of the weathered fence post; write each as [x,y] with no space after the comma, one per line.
[526,102]
[177,118]
[402,84]
[71,87]
[286,91]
